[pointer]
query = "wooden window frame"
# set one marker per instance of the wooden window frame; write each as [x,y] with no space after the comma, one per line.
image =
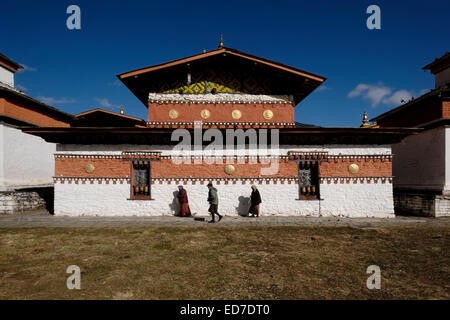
[309,192]
[133,195]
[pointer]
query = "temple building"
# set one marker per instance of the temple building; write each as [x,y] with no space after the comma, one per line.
[26,161]
[225,117]
[421,166]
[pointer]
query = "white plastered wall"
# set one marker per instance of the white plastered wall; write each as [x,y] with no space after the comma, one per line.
[349,200]
[26,160]
[6,76]
[447,161]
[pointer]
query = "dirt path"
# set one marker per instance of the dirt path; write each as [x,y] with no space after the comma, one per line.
[43,219]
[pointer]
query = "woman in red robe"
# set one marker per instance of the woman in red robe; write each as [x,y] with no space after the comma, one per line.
[183,201]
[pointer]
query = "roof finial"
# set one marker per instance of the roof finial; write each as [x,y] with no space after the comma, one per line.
[221,42]
[365,122]
[121,110]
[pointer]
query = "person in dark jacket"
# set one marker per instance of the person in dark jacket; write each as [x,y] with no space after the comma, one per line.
[255,201]
[185,211]
[213,200]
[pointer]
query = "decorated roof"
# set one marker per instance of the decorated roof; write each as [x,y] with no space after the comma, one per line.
[225,71]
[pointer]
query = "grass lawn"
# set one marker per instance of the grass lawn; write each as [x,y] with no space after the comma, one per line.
[225,263]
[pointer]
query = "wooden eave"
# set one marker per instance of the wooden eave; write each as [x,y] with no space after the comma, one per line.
[234,52]
[149,136]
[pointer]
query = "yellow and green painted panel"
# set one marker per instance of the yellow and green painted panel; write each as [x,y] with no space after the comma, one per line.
[222,81]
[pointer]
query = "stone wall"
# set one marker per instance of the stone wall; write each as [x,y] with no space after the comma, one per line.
[12,202]
[421,204]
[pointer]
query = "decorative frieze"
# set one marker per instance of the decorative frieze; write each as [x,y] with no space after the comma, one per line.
[223,125]
[251,180]
[262,158]
[200,166]
[158,154]
[367,180]
[144,155]
[84,180]
[305,156]
[87,156]
[239,98]
[362,156]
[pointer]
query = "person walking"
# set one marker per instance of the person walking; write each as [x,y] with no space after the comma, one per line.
[185,211]
[213,200]
[255,201]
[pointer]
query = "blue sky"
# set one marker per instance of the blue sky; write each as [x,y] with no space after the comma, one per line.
[75,70]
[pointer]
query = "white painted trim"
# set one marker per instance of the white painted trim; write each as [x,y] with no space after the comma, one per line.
[166,150]
[219,98]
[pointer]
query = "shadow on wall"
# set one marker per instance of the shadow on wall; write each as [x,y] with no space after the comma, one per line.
[48,194]
[175,206]
[34,199]
[241,209]
[243,206]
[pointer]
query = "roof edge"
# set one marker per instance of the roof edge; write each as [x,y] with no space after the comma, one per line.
[427,95]
[234,52]
[438,64]
[9,63]
[22,95]
[108,112]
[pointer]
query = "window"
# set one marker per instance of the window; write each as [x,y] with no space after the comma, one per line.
[308,177]
[140,182]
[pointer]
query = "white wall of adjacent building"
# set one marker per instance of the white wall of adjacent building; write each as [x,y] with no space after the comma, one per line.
[442,78]
[420,161]
[26,160]
[6,76]
[2,155]
[447,161]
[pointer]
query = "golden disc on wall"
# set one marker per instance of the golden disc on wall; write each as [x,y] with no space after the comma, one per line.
[89,168]
[205,113]
[236,114]
[268,114]
[229,169]
[173,114]
[353,168]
